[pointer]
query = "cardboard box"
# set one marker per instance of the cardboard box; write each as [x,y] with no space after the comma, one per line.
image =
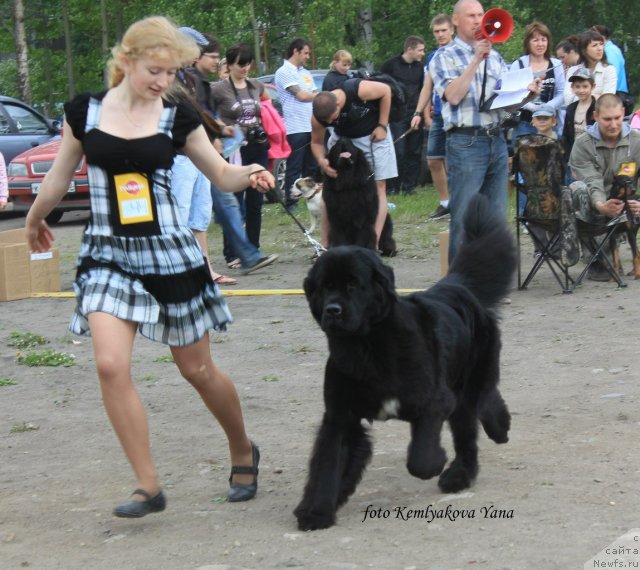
[22,272]
[443,242]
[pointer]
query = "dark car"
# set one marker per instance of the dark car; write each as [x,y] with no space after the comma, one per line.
[22,127]
[26,171]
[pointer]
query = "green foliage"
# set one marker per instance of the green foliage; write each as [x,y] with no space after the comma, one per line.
[8,382]
[328,25]
[47,358]
[25,340]
[8,78]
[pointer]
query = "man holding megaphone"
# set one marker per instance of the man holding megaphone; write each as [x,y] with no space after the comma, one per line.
[465,75]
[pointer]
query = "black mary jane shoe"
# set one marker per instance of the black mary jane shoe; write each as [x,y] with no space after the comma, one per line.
[239,492]
[137,509]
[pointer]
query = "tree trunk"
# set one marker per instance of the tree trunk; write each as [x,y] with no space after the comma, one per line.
[256,37]
[365,16]
[67,48]
[104,29]
[46,48]
[22,55]
[119,20]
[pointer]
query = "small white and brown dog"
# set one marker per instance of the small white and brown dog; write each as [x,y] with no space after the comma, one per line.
[308,189]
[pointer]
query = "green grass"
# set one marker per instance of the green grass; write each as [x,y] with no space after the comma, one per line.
[164,358]
[23,427]
[8,382]
[412,232]
[25,340]
[47,358]
[146,378]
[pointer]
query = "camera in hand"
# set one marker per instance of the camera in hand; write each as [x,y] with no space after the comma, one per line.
[256,134]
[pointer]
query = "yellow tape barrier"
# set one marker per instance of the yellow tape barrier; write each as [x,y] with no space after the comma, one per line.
[225,292]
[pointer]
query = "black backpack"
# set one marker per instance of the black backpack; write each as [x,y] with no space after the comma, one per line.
[398,94]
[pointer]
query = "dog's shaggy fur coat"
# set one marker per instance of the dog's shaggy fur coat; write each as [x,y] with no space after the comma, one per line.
[426,358]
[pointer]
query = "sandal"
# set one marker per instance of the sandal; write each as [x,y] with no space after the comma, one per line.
[243,492]
[225,280]
[234,264]
[137,509]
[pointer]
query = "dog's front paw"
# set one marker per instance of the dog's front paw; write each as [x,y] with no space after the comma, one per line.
[456,478]
[426,465]
[308,519]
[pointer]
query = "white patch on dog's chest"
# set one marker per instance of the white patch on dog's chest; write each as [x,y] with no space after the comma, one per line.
[389,409]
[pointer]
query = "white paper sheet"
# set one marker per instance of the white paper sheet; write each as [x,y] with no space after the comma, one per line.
[513,88]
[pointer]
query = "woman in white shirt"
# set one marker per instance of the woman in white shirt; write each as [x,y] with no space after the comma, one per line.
[537,49]
[592,56]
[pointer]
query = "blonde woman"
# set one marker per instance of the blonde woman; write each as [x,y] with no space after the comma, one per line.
[140,267]
[338,70]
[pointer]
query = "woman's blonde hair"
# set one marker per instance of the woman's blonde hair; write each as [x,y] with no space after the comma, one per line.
[152,36]
[339,56]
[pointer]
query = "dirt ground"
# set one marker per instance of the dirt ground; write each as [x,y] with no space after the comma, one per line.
[563,486]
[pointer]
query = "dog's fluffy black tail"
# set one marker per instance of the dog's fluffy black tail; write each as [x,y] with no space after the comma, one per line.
[486,259]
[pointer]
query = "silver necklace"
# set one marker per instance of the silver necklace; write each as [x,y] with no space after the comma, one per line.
[126,114]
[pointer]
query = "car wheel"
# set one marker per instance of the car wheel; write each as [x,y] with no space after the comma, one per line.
[279,172]
[54,217]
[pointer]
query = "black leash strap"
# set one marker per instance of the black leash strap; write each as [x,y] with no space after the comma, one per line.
[484,85]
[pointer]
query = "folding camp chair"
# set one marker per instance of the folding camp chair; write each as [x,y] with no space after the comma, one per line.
[600,239]
[538,168]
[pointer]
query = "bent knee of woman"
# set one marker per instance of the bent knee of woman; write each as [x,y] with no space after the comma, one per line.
[112,367]
[197,373]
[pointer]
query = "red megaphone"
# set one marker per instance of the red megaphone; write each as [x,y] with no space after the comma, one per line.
[496,26]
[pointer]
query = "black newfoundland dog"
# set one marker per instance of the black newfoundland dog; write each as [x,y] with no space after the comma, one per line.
[424,358]
[351,200]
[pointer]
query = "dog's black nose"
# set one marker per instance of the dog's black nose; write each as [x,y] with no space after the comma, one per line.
[333,309]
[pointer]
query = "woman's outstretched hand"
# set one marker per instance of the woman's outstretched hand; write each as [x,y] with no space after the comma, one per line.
[39,236]
[262,180]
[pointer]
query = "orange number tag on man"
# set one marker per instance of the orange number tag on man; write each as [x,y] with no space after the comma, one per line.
[628,169]
[134,198]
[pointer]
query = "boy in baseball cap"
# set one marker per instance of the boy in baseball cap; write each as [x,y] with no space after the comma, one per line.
[579,114]
[543,121]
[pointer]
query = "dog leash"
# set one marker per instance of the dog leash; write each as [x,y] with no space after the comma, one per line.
[317,246]
[373,160]
[404,134]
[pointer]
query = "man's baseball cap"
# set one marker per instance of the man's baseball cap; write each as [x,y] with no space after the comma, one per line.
[582,73]
[195,35]
[544,110]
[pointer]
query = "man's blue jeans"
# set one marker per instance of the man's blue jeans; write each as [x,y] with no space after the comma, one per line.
[475,163]
[300,162]
[227,213]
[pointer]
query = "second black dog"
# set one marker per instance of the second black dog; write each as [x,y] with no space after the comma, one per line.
[352,203]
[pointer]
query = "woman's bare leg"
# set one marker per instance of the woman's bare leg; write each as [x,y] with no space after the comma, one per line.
[113,345]
[219,394]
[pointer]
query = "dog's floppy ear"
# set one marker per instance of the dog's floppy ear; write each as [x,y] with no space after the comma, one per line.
[384,277]
[384,286]
[310,286]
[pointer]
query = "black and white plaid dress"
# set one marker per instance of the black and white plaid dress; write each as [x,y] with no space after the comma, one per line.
[151,272]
